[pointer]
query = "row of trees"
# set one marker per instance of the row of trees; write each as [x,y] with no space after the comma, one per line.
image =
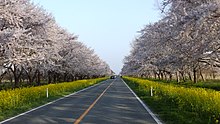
[33,47]
[184,44]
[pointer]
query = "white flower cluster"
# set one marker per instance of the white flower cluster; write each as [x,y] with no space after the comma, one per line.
[185,43]
[33,45]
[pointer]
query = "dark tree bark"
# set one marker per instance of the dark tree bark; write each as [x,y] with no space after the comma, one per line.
[170,76]
[16,75]
[190,77]
[200,72]
[49,77]
[194,75]
[38,78]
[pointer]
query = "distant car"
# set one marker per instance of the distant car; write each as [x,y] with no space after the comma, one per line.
[113,77]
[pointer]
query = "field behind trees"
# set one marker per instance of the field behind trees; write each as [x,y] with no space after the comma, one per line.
[35,50]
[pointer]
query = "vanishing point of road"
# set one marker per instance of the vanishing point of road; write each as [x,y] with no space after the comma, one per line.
[110,102]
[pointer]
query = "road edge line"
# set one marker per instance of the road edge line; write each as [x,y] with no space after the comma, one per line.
[24,113]
[144,105]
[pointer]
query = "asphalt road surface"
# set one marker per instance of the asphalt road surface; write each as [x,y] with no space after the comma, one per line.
[110,102]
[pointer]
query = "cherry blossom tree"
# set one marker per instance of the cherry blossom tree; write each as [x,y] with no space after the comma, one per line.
[33,47]
[184,42]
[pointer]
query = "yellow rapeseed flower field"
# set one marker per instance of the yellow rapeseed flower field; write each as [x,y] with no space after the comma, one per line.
[205,102]
[25,98]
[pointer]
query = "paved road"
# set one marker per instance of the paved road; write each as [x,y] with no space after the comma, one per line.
[110,102]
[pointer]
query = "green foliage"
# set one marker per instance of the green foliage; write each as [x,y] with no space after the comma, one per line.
[177,104]
[15,101]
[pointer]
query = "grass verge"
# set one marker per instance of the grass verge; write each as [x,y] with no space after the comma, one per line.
[14,102]
[178,105]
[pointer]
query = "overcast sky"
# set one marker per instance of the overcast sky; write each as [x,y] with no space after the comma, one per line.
[107,26]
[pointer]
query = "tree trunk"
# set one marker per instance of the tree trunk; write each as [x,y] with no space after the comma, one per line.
[170,76]
[182,75]
[54,77]
[194,75]
[2,76]
[190,77]
[29,79]
[16,78]
[38,78]
[203,79]
[177,77]
[31,76]
[213,75]
[49,77]
[161,74]
[165,75]
[72,77]
[59,78]
[64,77]
[158,76]
[11,80]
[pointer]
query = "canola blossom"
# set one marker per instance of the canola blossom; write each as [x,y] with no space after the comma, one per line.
[205,102]
[22,99]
